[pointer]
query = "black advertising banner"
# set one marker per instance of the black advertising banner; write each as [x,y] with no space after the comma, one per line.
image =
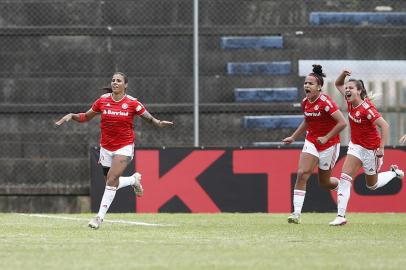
[193,180]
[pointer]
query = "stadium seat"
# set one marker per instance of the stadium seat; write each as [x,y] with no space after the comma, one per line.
[263,42]
[266,94]
[273,121]
[358,18]
[259,68]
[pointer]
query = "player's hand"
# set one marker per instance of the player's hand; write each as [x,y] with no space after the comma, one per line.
[379,152]
[403,139]
[164,123]
[347,72]
[288,140]
[66,118]
[322,140]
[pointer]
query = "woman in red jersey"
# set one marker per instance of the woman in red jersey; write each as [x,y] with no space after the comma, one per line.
[366,148]
[322,122]
[117,110]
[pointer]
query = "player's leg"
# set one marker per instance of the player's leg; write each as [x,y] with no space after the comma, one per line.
[375,180]
[328,159]
[307,163]
[350,168]
[105,160]
[133,180]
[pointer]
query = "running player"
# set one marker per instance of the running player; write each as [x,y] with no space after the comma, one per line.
[117,110]
[366,148]
[322,122]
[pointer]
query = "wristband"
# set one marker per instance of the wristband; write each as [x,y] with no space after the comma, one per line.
[82,117]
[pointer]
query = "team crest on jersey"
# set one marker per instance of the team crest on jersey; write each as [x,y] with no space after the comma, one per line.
[316,107]
[369,116]
[124,106]
[327,108]
[357,113]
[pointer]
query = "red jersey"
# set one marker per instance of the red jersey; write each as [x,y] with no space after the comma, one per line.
[117,120]
[363,130]
[319,120]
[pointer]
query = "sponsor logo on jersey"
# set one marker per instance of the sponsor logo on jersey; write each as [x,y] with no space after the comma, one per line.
[312,113]
[110,112]
[358,121]
[139,107]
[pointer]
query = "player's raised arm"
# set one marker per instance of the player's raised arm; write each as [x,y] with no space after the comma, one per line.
[340,81]
[78,117]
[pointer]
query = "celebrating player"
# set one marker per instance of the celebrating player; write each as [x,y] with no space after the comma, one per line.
[117,110]
[366,148]
[323,121]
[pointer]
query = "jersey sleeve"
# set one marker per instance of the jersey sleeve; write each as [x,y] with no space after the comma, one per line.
[139,108]
[96,106]
[330,106]
[373,114]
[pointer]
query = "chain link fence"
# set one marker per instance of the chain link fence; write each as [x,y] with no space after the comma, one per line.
[57,55]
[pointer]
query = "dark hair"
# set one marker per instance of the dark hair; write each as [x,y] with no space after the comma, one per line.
[318,74]
[108,89]
[360,86]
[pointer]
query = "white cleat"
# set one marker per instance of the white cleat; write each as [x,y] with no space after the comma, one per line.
[294,218]
[399,172]
[139,191]
[338,221]
[95,223]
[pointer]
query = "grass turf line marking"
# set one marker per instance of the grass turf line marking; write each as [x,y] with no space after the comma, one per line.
[108,221]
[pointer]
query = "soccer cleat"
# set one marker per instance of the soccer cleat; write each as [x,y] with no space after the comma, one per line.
[294,218]
[95,223]
[399,172]
[139,191]
[338,221]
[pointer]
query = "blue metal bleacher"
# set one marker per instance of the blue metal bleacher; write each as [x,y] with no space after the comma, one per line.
[260,42]
[259,68]
[358,18]
[266,94]
[273,121]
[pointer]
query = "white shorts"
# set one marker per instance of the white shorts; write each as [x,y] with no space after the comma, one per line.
[327,158]
[106,156]
[370,162]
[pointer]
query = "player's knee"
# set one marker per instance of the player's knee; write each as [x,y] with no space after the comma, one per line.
[303,175]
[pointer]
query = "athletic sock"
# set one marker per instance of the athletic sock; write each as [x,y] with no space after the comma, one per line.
[298,199]
[383,179]
[106,201]
[125,181]
[343,194]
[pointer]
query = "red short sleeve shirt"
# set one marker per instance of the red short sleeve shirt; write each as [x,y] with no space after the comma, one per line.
[363,130]
[318,116]
[117,120]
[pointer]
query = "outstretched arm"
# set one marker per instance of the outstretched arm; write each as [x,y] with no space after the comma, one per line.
[341,79]
[299,131]
[157,123]
[78,117]
[403,139]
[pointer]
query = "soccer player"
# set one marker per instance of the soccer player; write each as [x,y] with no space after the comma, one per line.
[366,148]
[117,110]
[322,122]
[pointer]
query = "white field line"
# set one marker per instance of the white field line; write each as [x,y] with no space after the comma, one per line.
[108,221]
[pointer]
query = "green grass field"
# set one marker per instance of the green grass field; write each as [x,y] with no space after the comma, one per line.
[208,241]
